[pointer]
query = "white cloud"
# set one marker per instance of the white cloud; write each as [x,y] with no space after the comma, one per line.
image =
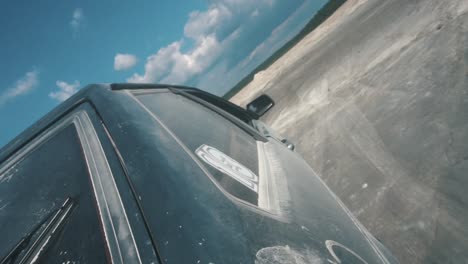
[65,90]
[255,13]
[203,23]
[22,86]
[171,64]
[124,61]
[77,19]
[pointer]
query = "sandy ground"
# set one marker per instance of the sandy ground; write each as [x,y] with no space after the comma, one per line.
[376,100]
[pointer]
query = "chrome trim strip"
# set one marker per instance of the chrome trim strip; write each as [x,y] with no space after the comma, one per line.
[122,245]
[273,194]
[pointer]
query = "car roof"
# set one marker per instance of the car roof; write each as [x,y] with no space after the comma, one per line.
[89,94]
[86,94]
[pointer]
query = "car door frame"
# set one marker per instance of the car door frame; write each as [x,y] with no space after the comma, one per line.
[119,240]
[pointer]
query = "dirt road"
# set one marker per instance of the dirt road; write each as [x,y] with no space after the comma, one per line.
[376,100]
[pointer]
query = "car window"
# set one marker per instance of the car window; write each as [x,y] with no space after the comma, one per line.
[36,186]
[228,151]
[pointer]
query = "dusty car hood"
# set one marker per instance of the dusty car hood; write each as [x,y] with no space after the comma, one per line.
[193,220]
[319,228]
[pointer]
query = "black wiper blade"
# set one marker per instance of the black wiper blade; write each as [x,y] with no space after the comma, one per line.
[53,221]
[43,240]
[24,241]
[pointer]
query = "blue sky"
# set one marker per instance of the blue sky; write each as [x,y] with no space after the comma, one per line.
[50,49]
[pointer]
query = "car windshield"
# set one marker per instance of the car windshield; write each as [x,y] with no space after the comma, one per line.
[229,152]
[227,106]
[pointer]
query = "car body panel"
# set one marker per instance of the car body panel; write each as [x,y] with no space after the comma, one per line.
[190,218]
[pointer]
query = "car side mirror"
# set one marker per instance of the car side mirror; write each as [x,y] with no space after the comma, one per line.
[260,106]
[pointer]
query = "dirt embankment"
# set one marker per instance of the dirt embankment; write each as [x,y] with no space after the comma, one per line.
[376,100]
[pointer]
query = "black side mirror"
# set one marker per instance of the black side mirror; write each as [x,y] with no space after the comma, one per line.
[260,106]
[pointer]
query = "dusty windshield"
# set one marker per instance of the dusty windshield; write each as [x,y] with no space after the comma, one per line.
[228,152]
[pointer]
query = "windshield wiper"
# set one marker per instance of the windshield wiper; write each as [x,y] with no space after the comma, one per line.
[52,223]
